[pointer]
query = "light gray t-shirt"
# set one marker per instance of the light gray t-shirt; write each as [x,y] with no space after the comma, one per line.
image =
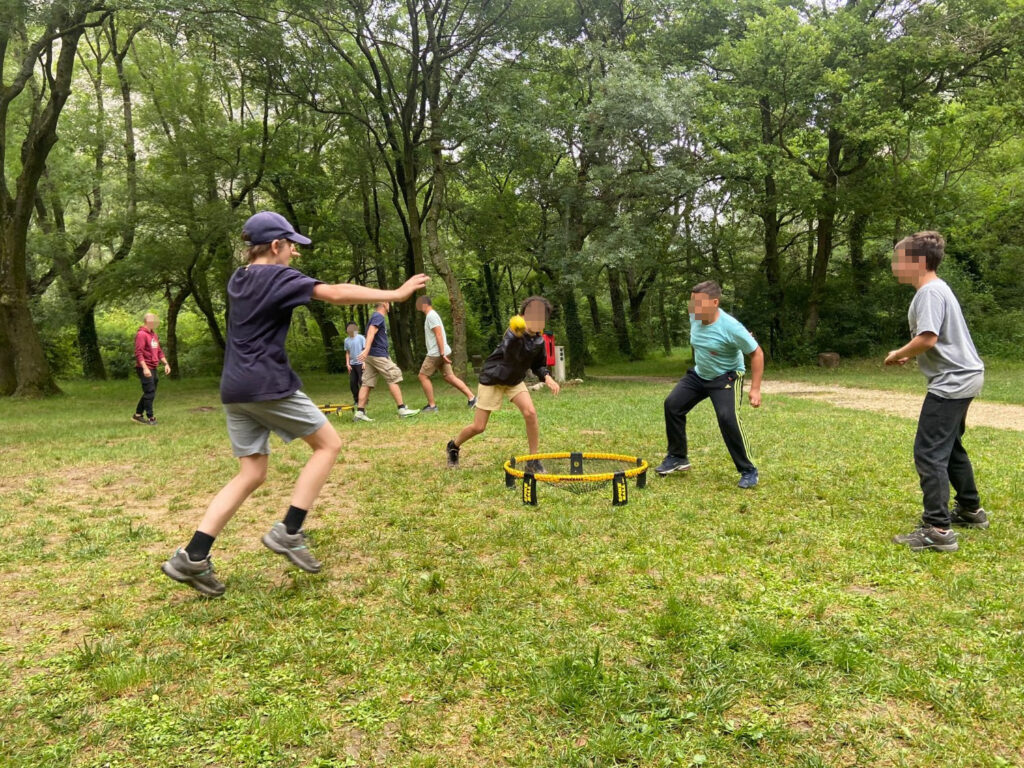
[953,368]
[433,321]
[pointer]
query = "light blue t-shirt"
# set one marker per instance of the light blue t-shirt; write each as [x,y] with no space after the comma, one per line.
[432,321]
[354,345]
[719,348]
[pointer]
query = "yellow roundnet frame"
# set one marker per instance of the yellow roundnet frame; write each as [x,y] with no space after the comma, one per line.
[578,482]
[330,408]
[599,477]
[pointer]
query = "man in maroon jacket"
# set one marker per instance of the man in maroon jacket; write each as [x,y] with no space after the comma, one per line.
[148,356]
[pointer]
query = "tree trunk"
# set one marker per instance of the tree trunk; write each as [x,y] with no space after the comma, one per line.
[88,341]
[666,335]
[175,301]
[334,349]
[437,257]
[595,315]
[826,227]
[618,313]
[492,308]
[8,379]
[772,260]
[574,330]
[858,267]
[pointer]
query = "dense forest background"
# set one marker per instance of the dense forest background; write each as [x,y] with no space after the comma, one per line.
[606,153]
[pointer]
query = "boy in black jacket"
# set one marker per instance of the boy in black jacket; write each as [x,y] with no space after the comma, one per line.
[502,376]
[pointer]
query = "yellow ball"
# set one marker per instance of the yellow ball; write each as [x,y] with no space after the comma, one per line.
[517,325]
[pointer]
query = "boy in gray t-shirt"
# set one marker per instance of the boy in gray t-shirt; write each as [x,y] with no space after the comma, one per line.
[947,357]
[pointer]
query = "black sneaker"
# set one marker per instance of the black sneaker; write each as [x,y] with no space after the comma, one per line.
[928,537]
[534,467]
[138,418]
[964,518]
[428,409]
[672,464]
[198,574]
[748,479]
[471,403]
[453,453]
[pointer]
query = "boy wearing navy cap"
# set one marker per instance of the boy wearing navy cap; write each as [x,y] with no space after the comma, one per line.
[262,394]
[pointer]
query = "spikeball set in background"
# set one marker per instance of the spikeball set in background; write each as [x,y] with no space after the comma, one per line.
[577,473]
[330,408]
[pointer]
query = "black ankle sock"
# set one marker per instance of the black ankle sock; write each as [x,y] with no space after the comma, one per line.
[401,406]
[199,547]
[361,410]
[294,519]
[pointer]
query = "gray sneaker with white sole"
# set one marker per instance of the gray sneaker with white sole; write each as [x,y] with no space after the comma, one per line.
[294,546]
[198,574]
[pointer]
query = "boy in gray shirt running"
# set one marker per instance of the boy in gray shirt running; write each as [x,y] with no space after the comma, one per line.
[947,357]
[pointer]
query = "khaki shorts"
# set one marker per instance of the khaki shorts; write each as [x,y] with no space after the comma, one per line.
[382,366]
[432,365]
[489,397]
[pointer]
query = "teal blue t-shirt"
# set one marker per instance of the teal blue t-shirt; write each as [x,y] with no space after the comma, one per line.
[719,348]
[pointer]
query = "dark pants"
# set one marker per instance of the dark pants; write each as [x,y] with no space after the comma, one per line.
[725,393]
[940,458]
[148,392]
[355,381]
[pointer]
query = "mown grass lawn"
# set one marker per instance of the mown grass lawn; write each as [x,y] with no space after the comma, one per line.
[453,626]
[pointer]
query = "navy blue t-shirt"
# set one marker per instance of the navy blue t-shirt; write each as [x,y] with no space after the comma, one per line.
[379,348]
[261,299]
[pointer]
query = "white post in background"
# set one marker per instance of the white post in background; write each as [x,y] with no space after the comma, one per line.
[559,372]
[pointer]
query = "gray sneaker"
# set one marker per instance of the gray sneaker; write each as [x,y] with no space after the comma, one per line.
[294,546]
[198,574]
[928,537]
[534,467]
[965,518]
[428,409]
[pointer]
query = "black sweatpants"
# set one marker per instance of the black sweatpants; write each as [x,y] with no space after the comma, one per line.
[355,381]
[148,392]
[941,459]
[725,393]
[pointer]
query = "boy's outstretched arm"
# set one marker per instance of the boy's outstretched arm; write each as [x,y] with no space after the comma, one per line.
[348,293]
[756,372]
[920,343]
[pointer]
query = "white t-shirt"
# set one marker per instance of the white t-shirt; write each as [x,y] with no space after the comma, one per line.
[433,321]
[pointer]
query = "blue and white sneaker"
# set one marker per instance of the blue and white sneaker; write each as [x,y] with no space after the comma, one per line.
[672,464]
[748,479]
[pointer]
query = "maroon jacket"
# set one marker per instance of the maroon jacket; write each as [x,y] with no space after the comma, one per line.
[147,348]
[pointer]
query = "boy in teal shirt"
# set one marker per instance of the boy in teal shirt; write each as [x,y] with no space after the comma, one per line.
[719,342]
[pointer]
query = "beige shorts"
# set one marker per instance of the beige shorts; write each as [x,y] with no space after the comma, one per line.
[490,397]
[380,366]
[432,365]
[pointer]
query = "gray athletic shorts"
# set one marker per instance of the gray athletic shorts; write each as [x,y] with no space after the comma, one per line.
[250,424]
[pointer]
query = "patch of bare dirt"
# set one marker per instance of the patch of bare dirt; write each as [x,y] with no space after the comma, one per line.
[903,404]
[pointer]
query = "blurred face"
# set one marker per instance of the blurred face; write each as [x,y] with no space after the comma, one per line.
[152,321]
[351,330]
[384,308]
[423,307]
[905,269]
[536,317]
[702,307]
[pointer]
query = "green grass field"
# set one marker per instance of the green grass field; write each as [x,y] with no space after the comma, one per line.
[700,625]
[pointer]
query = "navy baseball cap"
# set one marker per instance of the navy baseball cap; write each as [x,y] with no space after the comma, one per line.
[267,226]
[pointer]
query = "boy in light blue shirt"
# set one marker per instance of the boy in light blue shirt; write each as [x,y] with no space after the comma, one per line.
[355,343]
[719,343]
